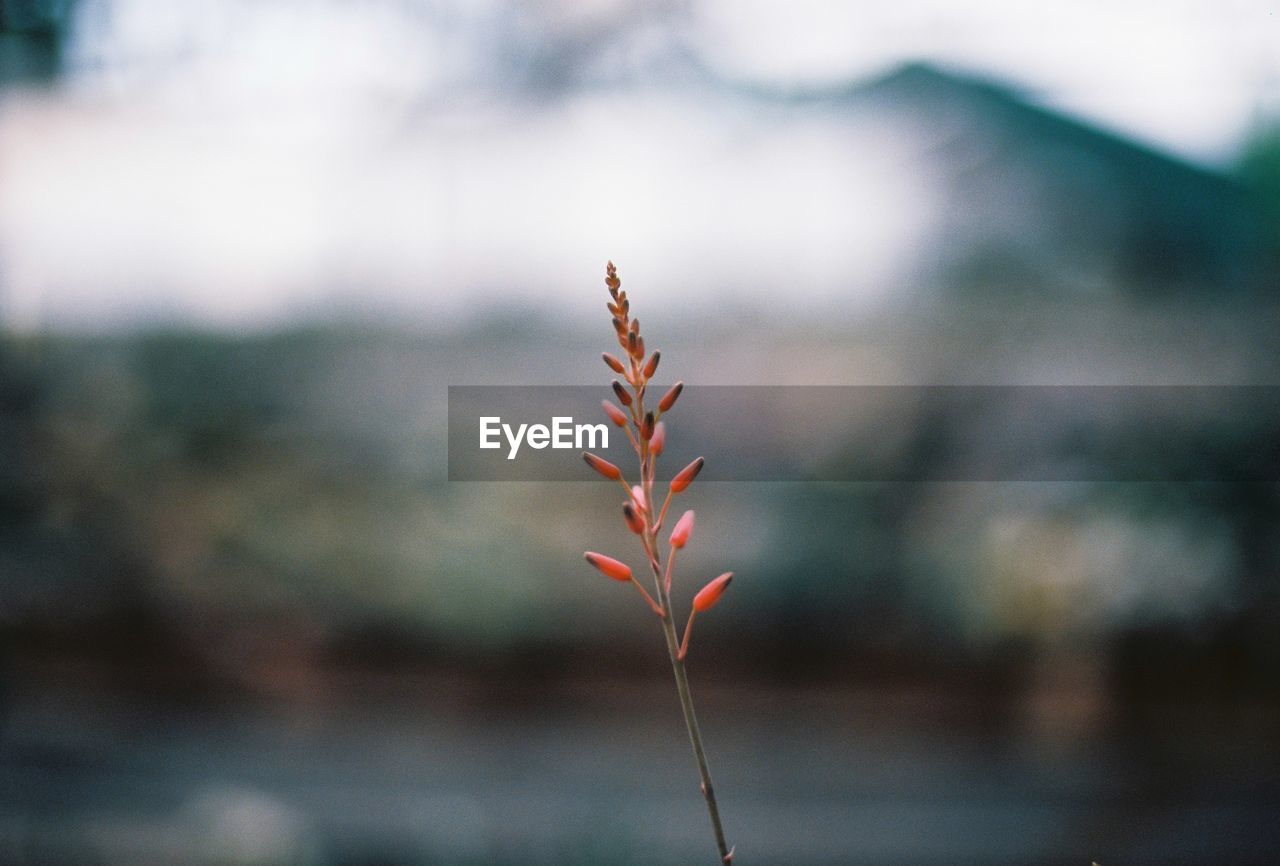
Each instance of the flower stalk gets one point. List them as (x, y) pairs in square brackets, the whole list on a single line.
[(648, 440)]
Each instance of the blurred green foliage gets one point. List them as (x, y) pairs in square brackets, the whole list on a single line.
[(32, 37), (293, 485), (1259, 168)]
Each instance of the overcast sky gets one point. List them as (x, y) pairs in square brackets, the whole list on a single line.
[(243, 162)]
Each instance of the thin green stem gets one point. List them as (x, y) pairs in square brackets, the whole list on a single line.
[(688, 630), (686, 702), (652, 604), (662, 585), (662, 515), (634, 444)]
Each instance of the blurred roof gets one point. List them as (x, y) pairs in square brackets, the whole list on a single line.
[(1032, 195)]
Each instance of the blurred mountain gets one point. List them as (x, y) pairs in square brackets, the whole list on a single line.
[(1034, 200)]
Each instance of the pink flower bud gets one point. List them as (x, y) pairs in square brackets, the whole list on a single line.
[(616, 415), (669, 399), (632, 517), (604, 467), (651, 366), (646, 426), (684, 528), (710, 594), (659, 440), (686, 475), (609, 567)]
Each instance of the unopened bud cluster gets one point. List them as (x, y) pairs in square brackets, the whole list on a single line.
[(647, 433)]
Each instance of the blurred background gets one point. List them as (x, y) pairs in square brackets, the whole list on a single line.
[(246, 245)]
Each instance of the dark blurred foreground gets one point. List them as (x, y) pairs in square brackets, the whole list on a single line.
[(445, 768)]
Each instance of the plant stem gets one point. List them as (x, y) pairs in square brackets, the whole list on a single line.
[(650, 541), (695, 736), (686, 705)]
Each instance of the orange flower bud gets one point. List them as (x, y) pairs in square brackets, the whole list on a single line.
[(624, 396), (659, 440), (669, 399), (684, 528), (652, 366), (631, 343), (646, 426), (609, 566), (616, 415), (638, 352), (709, 594), (635, 326), (686, 475), (632, 517), (618, 326), (604, 467), (614, 364)]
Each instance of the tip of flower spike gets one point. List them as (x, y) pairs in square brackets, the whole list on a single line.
[(608, 566), (710, 594), (686, 475), (604, 467), (683, 529)]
